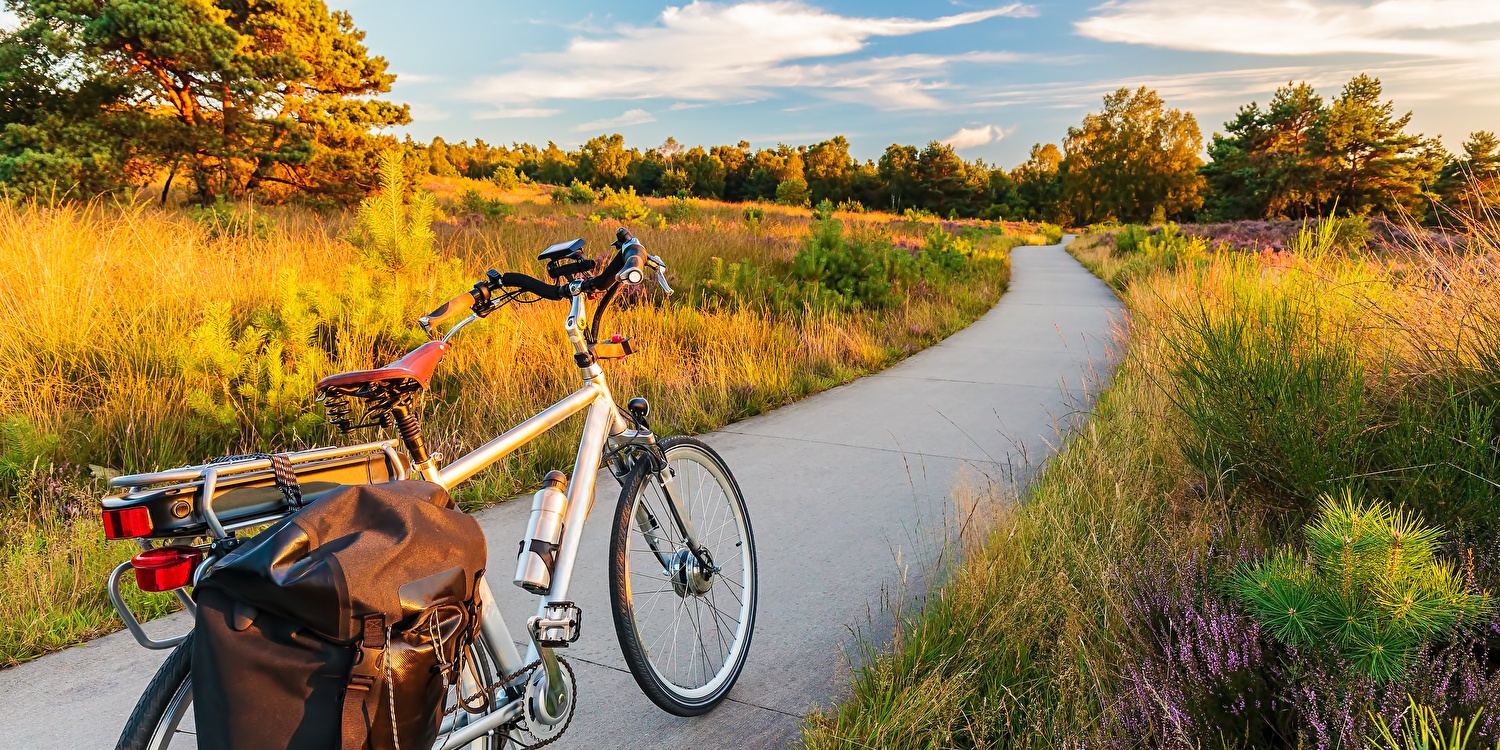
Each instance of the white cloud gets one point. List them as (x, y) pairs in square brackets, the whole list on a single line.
[(516, 113), (707, 51), (1452, 29), (967, 138), (630, 117), (422, 112)]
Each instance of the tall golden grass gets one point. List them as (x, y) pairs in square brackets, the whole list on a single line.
[(107, 356), (1025, 643)]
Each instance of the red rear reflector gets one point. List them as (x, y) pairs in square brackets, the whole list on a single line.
[(127, 523), (165, 568)]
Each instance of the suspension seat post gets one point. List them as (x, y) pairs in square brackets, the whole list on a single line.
[(410, 429)]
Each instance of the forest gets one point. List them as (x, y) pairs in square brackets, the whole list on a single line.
[(283, 102)]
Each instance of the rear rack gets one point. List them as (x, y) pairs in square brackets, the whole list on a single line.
[(203, 481), (201, 484)]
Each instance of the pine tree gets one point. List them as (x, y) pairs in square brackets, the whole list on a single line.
[(1369, 587), (1372, 163), (1470, 184), (234, 96), (1265, 164)]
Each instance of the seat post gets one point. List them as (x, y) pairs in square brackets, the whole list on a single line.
[(410, 429)]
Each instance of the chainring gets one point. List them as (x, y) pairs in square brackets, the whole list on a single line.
[(533, 733)]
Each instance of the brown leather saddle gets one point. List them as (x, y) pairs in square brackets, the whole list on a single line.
[(379, 389)]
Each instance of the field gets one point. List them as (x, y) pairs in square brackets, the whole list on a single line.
[(1293, 439), (137, 338)]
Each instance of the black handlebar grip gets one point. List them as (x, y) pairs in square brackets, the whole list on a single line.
[(634, 269)]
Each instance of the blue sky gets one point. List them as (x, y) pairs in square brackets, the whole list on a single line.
[(991, 78)]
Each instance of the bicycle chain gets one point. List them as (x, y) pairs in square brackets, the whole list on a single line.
[(506, 680)]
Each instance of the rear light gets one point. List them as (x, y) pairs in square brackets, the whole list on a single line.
[(127, 523), (165, 568)]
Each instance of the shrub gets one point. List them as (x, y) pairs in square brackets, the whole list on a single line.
[(474, 202), (1369, 589), (623, 205), (682, 210), (793, 192), (224, 219), (581, 192), (23, 447), (254, 381), (860, 271), (852, 206), (507, 178), (946, 252)]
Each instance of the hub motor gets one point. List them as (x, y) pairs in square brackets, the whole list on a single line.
[(689, 577)]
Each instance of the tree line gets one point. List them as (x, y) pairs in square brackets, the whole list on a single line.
[(283, 100), (1134, 160)]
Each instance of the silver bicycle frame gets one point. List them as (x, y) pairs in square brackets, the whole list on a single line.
[(603, 425)]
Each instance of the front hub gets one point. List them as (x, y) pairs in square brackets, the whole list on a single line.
[(689, 577)]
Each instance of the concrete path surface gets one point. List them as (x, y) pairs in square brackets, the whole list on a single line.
[(848, 491)]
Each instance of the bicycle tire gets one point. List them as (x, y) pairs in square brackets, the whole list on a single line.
[(670, 696), (174, 676), (140, 731)]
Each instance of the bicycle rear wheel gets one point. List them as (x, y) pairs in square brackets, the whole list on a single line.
[(684, 627), (163, 717)]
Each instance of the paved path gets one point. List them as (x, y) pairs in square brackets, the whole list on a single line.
[(848, 492)]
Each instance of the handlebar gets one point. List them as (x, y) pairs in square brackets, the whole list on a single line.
[(627, 267), (453, 308), (633, 268)]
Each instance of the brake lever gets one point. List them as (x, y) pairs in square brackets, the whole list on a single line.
[(661, 273)]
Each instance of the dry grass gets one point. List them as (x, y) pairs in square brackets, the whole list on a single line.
[(103, 345), (1024, 644)]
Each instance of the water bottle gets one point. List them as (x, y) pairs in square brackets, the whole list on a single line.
[(539, 546)]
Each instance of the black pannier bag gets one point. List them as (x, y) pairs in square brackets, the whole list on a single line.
[(309, 634)]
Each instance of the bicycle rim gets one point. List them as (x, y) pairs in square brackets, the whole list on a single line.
[(177, 729)]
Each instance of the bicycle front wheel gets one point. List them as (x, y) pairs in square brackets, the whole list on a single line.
[(684, 620)]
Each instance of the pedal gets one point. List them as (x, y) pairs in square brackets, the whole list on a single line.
[(561, 625)]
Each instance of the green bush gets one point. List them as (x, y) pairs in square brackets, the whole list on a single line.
[(860, 271), (474, 202), (507, 178), (1369, 587), (575, 192), (683, 210), (581, 192), (224, 219), (793, 192), (623, 205)]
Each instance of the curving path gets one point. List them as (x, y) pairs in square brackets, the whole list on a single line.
[(849, 492)]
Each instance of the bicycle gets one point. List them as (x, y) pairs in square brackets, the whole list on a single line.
[(680, 542)]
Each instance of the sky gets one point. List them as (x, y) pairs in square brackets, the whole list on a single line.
[(989, 78)]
